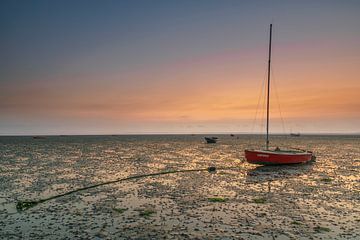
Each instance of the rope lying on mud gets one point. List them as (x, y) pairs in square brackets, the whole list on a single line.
[(24, 205)]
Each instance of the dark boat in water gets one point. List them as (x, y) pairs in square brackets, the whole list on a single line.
[(211, 140), (295, 134), (276, 156)]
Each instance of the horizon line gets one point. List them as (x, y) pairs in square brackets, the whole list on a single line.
[(174, 133)]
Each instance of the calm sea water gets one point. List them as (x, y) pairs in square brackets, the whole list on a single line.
[(320, 200)]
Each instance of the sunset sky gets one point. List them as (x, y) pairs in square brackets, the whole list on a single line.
[(118, 67)]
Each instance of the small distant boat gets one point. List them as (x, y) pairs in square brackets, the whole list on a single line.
[(211, 139), (276, 156), (38, 137), (232, 135), (295, 134)]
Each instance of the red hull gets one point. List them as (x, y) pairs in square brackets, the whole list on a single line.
[(267, 157)]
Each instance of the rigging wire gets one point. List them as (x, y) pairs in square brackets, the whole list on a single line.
[(261, 92), (274, 87), (263, 119)]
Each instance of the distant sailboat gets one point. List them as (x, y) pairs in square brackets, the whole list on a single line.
[(276, 156)]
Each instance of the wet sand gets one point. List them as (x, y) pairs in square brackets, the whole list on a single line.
[(311, 201)]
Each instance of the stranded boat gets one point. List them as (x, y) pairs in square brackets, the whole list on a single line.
[(276, 156), (211, 140), (269, 157)]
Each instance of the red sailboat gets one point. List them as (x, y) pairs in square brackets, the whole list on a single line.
[(276, 156)]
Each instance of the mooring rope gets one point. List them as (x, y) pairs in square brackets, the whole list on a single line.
[(24, 205)]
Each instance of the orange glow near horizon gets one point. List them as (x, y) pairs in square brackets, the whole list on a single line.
[(202, 97)]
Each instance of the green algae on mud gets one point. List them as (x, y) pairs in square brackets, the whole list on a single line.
[(326, 180), (260, 200), (296, 223), (320, 229), (120, 210), (24, 205), (146, 212), (217, 199)]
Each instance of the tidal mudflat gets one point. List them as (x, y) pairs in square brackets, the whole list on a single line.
[(320, 200)]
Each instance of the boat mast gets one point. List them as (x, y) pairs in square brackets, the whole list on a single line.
[(268, 93)]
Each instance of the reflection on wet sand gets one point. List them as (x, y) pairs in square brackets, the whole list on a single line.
[(274, 172)]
